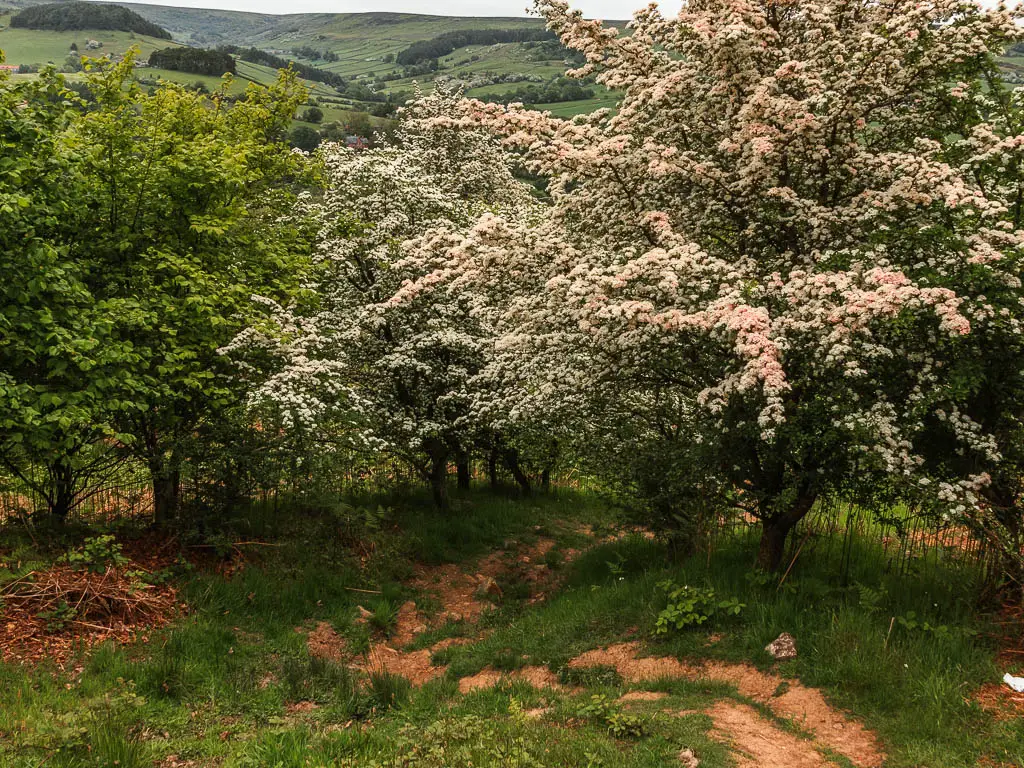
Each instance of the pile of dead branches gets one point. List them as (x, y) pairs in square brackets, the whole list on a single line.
[(84, 598), (46, 611)]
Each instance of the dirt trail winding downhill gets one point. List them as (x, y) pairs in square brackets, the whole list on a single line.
[(805, 706), (759, 741)]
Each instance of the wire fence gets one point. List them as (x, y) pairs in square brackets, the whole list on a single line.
[(904, 540)]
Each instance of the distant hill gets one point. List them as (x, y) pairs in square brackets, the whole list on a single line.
[(355, 64), (64, 17)]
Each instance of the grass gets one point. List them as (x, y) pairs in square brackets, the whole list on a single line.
[(220, 685), (34, 46)]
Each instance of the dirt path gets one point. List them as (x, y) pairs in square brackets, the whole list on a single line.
[(759, 743), (786, 698), (465, 596)]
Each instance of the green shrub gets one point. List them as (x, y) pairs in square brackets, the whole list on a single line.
[(601, 709), (97, 554), (623, 726), (692, 606)]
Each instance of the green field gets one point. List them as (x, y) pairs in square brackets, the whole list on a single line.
[(361, 42), (572, 108), (33, 46)]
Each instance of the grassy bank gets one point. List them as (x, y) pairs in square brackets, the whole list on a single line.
[(233, 681)]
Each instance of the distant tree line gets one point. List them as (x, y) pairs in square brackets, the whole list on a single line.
[(562, 89), (62, 17), (197, 61), (442, 45), (305, 71), (354, 91), (553, 50), (308, 52)]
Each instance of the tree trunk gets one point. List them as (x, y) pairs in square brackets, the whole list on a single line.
[(166, 490), (511, 456), (775, 530), (63, 489), (492, 469), (439, 475), (545, 479), (462, 469)]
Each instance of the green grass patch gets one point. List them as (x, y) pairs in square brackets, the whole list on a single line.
[(233, 683)]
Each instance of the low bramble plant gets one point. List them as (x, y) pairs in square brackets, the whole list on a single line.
[(692, 606), (599, 707), (59, 617), (623, 726), (912, 623), (97, 554)]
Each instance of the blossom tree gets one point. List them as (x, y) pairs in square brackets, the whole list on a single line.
[(986, 123), (771, 256), (390, 362)]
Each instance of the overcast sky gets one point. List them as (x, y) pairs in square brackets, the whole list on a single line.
[(604, 9)]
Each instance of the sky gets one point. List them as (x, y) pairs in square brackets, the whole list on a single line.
[(603, 9)]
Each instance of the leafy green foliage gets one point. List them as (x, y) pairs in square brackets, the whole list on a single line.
[(63, 364), (913, 623), (619, 724), (692, 606), (58, 618), (624, 726), (97, 554), (460, 742), (185, 227)]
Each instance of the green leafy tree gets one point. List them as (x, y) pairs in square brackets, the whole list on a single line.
[(62, 365), (305, 138), (185, 197)]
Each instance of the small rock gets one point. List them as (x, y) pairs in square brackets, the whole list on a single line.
[(688, 759), (488, 588), (782, 648)]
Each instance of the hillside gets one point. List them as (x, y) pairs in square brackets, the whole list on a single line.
[(351, 60), (37, 47), (62, 17)]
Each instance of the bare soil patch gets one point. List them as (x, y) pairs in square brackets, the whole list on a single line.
[(324, 642), (623, 656), (786, 698), (415, 666), (642, 696), (759, 743), (1001, 701), (301, 707), (538, 677), (462, 597)]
